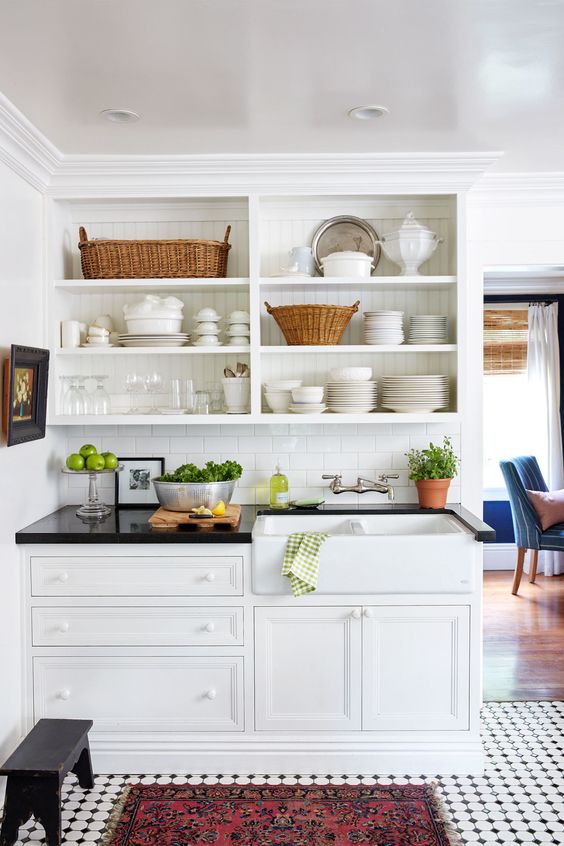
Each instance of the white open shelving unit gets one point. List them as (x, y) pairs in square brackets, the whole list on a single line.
[(264, 228)]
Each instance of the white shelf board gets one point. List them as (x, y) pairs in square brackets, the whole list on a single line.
[(145, 286), (101, 351), (363, 348), (256, 419), (372, 283)]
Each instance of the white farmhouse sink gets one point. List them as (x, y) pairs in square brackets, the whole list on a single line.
[(371, 553)]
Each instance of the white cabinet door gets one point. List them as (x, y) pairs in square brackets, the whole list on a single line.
[(415, 668), (141, 693), (307, 669)]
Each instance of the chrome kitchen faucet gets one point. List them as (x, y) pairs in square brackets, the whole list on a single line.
[(362, 485)]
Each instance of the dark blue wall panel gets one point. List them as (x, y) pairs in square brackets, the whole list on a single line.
[(497, 514)]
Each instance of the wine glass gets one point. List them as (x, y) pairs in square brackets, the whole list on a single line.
[(86, 398), (133, 385), (153, 384), (74, 401), (100, 400)]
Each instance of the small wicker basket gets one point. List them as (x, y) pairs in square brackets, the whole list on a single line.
[(153, 259), (312, 325)]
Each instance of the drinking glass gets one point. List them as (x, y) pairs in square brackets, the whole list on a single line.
[(182, 395), (201, 403), (86, 398), (175, 394), (189, 396), (65, 385), (133, 385), (153, 384), (216, 397), (74, 402), (100, 400)]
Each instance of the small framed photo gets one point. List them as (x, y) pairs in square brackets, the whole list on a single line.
[(26, 376), (133, 484)]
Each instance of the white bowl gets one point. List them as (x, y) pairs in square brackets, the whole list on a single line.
[(283, 384), (280, 405), (153, 325), (239, 341), (97, 341), (207, 313), (347, 263), (207, 341), (238, 329), (308, 394), (207, 328), (351, 374), (239, 317)]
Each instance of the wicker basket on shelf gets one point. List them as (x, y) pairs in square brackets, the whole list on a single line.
[(312, 325), (127, 259)]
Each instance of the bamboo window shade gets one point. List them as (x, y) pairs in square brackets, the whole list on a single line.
[(506, 335)]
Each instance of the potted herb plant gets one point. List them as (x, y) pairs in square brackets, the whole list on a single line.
[(433, 469)]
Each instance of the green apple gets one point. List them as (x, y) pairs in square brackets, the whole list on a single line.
[(110, 460), (75, 461), (87, 449), (95, 462)]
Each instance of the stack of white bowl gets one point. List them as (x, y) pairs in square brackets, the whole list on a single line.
[(383, 327), (238, 329), (428, 329), (206, 331), (278, 394), (351, 390), (308, 400), (415, 394)]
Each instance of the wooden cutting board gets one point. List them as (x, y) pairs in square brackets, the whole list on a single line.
[(163, 519)]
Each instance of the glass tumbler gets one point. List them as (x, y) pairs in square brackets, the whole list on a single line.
[(201, 402)]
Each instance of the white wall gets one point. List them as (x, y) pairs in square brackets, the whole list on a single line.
[(29, 485)]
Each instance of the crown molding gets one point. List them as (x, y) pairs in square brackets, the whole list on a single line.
[(231, 175), (24, 149), (523, 189)]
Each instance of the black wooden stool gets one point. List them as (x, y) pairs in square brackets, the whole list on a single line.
[(36, 772)]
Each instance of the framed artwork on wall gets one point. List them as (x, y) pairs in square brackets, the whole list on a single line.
[(26, 376), (133, 484)]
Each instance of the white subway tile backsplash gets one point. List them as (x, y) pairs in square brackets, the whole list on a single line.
[(305, 451)]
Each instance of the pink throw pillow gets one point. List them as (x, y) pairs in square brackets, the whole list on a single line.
[(549, 506)]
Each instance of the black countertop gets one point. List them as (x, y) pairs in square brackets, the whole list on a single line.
[(130, 525)]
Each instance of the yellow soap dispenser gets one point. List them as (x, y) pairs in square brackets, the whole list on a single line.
[(279, 490)]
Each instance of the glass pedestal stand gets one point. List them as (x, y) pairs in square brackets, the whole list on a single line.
[(94, 509)]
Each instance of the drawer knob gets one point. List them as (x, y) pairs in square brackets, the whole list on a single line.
[(63, 694), (210, 577), (211, 694), (64, 627), (210, 627), (63, 577), (368, 612), (356, 613)]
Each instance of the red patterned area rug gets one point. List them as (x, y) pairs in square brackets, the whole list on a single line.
[(278, 815)]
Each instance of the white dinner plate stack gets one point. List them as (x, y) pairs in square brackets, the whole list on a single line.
[(352, 397), (383, 327), (428, 329), (171, 339), (415, 394)]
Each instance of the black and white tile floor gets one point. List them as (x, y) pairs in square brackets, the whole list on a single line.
[(519, 799)]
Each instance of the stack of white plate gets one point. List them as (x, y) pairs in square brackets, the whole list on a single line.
[(383, 327), (352, 397), (428, 329), (415, 394), (173, 339)]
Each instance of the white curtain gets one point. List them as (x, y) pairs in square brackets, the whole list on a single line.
[(544, 381)]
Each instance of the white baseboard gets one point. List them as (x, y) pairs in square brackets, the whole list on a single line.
[(499, 556)]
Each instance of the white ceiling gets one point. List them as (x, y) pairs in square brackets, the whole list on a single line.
[(278, 76)]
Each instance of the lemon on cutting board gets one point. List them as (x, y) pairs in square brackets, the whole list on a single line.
[(219, 509)]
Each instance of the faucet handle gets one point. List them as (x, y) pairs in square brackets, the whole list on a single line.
[(336, 476), (386, 476)]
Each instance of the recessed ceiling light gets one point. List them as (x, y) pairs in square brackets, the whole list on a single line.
[(368, 112), (119, 115)]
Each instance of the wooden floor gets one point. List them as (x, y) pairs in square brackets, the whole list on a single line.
[(523, 638)]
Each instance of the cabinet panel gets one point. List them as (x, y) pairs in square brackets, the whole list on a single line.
[(307, 669), (416, 668), (137, 626), (120, 576), (141, 693)]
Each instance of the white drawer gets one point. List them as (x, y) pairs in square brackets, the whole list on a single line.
[(141, 694), (130, 576), (172, 626)]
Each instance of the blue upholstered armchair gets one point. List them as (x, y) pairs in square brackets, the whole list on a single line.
[(523, 474)]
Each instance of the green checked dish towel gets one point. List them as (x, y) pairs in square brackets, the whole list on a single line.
[(301, 560)]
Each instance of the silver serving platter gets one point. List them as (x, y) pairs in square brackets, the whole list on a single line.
[(345, 232)]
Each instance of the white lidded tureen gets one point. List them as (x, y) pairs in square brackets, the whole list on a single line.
[(410, 245), (154, 314), (347, 263)]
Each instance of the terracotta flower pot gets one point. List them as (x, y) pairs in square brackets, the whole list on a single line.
[(433, 492)]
